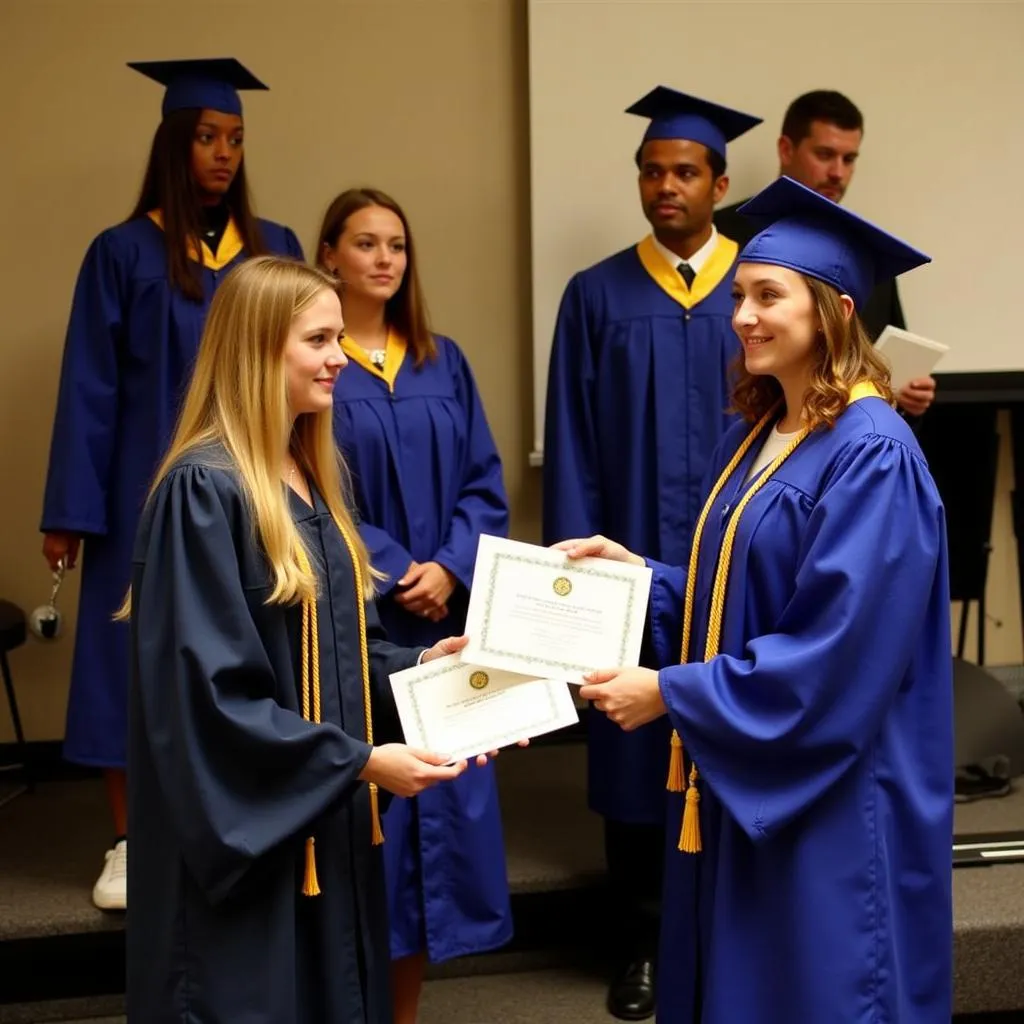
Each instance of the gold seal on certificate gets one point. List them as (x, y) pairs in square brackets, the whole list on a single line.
[(534, 611), (479, 679)]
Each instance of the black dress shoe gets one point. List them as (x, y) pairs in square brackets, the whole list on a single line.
[(631, 995)]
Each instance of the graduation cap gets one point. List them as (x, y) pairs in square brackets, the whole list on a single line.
[(675, 115), (210, 83), (806, 232)]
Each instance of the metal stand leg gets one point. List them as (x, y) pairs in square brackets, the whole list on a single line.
[(19, 736)]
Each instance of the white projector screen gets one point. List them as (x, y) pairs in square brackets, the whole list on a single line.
[(941, 87)]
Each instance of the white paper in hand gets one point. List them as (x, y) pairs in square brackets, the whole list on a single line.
[(909, 355)]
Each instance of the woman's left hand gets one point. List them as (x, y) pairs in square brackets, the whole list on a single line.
[(482, 759), (630, 697), (450, 645)]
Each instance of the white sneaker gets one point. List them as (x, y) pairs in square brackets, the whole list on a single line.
[(110, 891)]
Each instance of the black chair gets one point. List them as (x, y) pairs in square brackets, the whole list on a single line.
[(12, 634)]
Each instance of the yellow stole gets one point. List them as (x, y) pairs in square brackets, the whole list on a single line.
[(311, 689), (230, 244), (669, 280), (394, 355), (689, 838)]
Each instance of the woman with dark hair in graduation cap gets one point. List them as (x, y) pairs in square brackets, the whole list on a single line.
[(812, 698), (139, 305), (260, 708), (428, 482)]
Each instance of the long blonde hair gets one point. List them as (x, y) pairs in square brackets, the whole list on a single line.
[(238, 398), (844, 356)]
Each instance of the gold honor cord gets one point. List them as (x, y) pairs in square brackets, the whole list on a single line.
[(311, 690), (689, 838)]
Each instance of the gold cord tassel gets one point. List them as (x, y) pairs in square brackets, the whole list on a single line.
[(378, 832), (310, 884), (675, 765), (689, 838), (310, 705)]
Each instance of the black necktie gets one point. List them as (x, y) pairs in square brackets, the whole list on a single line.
[(687, 273)]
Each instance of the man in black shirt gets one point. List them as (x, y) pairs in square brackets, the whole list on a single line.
[(819, 146)]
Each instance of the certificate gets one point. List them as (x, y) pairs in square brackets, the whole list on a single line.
[(452, 707), (535, 611), (909, 355)]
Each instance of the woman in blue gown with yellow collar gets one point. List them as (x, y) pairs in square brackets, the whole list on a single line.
[(808, 877), (138, 311), (427, 481)]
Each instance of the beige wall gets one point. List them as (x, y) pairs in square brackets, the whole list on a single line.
[(425, 98)]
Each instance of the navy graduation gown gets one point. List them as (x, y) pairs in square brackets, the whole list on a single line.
[(226, 779), (637, 396), (823, 737), (128, 355), (427, 480)]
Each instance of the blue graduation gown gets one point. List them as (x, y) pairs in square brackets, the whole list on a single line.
[(637, 397), (226, 779), (427, 480), (823, 737), (128, 355)]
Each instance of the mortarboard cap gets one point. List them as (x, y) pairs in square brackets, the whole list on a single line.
[(674, 115), (210, 83), (806, 232)]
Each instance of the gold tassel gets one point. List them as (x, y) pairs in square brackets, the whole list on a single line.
[(675, 765), (378, 832), (310, 885), (689, 839)]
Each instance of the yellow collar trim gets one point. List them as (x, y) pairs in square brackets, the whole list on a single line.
[(230, 246), (667, 278), (394, 356), (864, 389)]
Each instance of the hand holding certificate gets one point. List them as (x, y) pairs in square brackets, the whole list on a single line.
[(535, 611), (537, 619)]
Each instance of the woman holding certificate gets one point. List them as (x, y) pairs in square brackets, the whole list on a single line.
[(812, 699), (428, 482), (260, 708)]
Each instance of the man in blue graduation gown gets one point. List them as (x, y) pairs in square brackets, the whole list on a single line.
[(819, 147), (646, 334), (138, 312)]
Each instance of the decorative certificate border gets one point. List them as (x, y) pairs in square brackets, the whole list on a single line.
[(563, 570)]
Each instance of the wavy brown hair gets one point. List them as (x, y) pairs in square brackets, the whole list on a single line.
[(844, 356), (170, 187), (406, 310)]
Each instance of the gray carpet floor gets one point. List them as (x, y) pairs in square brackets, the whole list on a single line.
[(560, 996)]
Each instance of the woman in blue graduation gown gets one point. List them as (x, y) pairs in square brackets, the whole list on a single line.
[(428, 482), (138, 311), (260, 697), (813, 811)]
